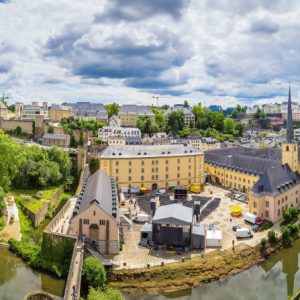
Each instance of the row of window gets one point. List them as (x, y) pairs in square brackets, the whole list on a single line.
[(155, 177), (153, 170), (154, 162), (87, 222)]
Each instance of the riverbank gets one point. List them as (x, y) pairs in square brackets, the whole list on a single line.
[(216, 265)]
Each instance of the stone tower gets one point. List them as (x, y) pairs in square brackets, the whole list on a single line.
[(290, 147)]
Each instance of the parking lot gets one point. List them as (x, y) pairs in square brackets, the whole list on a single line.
[(135, 256)]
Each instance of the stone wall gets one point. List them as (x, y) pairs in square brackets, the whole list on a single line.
[(8, 125)]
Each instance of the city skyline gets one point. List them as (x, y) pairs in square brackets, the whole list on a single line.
[(216, 52)]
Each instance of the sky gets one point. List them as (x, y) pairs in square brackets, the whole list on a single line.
[(127, 51)]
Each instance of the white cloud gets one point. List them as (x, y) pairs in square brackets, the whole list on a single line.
[(210, 51)]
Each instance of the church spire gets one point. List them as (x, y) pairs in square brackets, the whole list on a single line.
[(289, 125)]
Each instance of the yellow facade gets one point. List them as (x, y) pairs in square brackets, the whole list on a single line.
[(230, 178), (209, 146), (290, 155), (130, 119), (58, 114), (155, 171)]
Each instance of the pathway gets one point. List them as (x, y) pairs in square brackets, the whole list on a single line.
[(11, 230)]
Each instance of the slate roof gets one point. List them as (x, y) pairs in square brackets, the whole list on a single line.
[(276, 180), (149, 151), (88, 109), (246, 160), (60, 107), (185, 110), (173, 214), (100, 189), (136, 109)]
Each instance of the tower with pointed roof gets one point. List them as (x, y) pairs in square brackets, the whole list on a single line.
[(290, 147)]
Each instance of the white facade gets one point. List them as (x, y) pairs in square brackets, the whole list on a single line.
[(107, 131)]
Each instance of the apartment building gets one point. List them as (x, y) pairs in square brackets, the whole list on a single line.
[(129, 114), (189, 118), (153, 166), (59, 112)]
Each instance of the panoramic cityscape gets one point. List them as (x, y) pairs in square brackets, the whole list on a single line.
[(149, 150)]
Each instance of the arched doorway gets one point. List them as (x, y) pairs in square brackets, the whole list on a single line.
[(154, 186), (94, 234)]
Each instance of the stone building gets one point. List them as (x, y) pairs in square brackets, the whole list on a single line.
[(153, 166), (96, 214), (59, 140)]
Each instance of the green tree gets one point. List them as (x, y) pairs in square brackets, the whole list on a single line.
[(229, 126), (186, 104), (287, 216), (286, 236), (175, 121), (161, 121), (112, 109), (146, 125), (272, 237), (96, 294), (12, 108), (94, 273), (263, 243)]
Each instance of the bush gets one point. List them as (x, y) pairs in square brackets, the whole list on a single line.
[(272, 237), (267, 225), (94, 273), (294, 212), (287, 216), (286, 236), (263, 243), (294, 229), (96, 294)]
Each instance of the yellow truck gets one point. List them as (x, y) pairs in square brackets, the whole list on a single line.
[(195, 188)]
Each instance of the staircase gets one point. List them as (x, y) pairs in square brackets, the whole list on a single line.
[(97, 254)]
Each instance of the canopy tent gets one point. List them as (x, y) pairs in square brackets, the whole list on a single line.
[(173, 214)]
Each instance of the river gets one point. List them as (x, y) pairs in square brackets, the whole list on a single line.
[(277, 278), (17, 278)]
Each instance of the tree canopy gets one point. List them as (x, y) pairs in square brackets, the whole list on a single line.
[(175, 121), (112, 109), (94, 273)]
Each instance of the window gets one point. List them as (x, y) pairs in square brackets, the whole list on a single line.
[(117, 171), (142, 178), (102, 222), (167, 176), (117, 163), (129, 170), (129, 163), (178, 175), (178, 160), (178, 168), (142, 162), (152, 162), (167, 162), (152, 177), (190, 167), (157, 162), (156, 169), (267, 214), (117, 178), (267, 203), (190, 174), (278, 212), (278, 202), (190, 160), (142, 170), (286, 198), (94, 213), (167, 169), (129, 178), (86, 221), (156, 176), (254, 204)]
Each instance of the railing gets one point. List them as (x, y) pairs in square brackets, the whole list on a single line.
[(69, 290), (97, 254)]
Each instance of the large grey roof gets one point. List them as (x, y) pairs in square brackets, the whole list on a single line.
[(60, 107), (149, 151), (100, 189), (173, 214), (247, 160), (185, 110), (136, 109), (276, 180)]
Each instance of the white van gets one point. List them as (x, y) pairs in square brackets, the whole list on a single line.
[(251, 218), (242, 233), (141, 218)]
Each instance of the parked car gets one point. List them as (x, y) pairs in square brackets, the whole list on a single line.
[(235, 227), (255, 227)]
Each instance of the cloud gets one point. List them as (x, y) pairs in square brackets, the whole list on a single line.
[(132, 10), (264, 26)]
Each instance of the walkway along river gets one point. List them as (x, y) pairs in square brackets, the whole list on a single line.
[(277, 278), (17, 278)]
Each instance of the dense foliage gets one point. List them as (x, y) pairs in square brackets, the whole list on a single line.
[(109, 294), (112, 109), (26, 166), (94, 273), (79, 124)]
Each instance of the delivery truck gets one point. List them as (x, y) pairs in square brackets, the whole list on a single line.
[(249, 217), (243, 233)]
